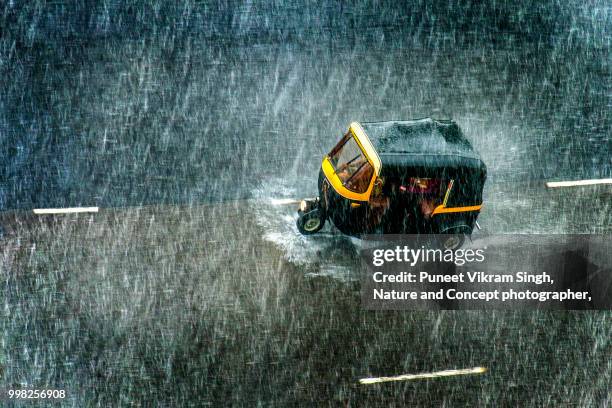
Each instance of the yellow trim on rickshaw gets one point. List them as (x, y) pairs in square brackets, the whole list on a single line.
[(366, 146), (441, 209), (371, 156), (448, 190)]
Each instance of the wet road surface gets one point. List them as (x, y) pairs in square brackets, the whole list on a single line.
[(185, 122)]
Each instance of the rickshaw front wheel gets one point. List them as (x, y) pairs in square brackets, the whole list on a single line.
[(310, 222)]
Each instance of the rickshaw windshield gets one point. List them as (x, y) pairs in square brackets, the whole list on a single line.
[(351, 165)]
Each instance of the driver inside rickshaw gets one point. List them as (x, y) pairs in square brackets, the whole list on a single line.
[(415, 193), (378, 204), (418, 194), (427, 193)]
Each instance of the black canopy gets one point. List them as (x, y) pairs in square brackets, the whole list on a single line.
[(422, 143), (430, 148)]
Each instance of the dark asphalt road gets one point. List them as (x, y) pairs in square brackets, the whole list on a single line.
[(183, 121)]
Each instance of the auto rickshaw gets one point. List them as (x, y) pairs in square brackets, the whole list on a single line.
[(398, 177)]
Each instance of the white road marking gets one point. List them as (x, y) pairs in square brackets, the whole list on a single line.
[(65, 210), (437, 374), (286, 201), (554, 184)]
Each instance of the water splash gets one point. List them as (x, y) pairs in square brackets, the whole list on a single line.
[(327, 253)]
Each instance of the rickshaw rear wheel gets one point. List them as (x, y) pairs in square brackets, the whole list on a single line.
[(454, 241), (454, 237), (310, 222)]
